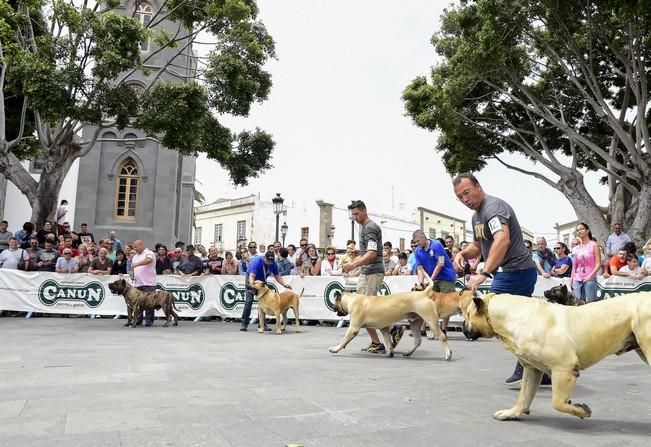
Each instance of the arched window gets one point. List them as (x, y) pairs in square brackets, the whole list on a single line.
[(144, 13), (126, 193)]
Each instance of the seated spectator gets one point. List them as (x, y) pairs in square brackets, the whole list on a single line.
[(330, 265), (389, 265), (617, 262), (214, 262), (631, 269), (163, 261), (25, 235), (111, 250), (120, 264), (350, 249), (191, 265), (312, 266), (84, 259), (43, 233), (11, 258), (402, 268), (646, 262), (563, 265), (230, 265), (47, 258), (66, 263), (92, 250), (67, 243), (284, 264), (33, 252), (101, 265), (355, 272), (543, 258)]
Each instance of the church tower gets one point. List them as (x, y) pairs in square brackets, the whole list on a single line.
[(128, 182)]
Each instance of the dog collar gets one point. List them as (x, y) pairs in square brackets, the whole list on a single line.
[(268, 289)]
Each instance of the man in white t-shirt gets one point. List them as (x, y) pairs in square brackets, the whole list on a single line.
[(143, 266), (62, 215), (10, 258)]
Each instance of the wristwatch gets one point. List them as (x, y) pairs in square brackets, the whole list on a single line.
[(487, 275)]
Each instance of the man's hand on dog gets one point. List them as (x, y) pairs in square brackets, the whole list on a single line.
[(475, 281)]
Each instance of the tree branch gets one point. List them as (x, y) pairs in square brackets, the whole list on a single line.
[(531, 173)]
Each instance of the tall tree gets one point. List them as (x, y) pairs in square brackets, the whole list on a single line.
[(68, 65), (545, 78)]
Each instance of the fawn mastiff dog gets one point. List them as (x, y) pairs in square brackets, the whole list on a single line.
[(447, 304), (561, 340), (272, 303), (381, 312), (137, 301)]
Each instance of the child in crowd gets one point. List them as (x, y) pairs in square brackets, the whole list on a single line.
[(632, 268)]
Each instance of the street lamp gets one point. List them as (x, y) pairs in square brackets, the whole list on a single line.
[(283, 231), (331, 236), (352, 224), (278, 209)]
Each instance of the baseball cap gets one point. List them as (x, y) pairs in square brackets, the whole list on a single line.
[(269, 256)]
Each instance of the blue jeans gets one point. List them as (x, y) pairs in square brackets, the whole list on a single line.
[(248, 304), (149, 314), (586, 290), (521, 282)]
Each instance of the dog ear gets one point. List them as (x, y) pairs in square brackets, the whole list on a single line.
[(563, 289), (337, 295), (479, 304)]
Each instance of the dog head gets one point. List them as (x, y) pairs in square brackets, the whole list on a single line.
[(560, 294), (340, 308), (260, 286), (477, 324), (118, 287)]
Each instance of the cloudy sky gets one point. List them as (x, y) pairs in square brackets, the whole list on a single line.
[(338, 121)]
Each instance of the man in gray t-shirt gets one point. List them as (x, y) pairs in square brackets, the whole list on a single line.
[(372, 275), (4, 235)]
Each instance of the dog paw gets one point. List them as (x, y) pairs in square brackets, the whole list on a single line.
[(430, 335), (584, 409), (260, 331), (448, 356), (390, 354), (507, 415), (333, 350)]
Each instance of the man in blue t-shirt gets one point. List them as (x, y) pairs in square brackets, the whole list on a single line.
[(433, 262), (259, 269)]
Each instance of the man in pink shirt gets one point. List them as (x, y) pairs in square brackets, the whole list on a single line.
[(143, 266)]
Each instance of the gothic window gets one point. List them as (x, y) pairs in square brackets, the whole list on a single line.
[(126, 194), (144, 13)]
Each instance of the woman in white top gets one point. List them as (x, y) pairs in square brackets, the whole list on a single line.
[(330, 265)]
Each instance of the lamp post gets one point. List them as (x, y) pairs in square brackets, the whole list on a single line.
[(352, 224), (283, 231), (331, 235), (278, 209)]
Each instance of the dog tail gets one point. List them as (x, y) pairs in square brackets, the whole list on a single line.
[(429, 290)]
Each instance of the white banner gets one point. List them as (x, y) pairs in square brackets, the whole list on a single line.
[(220, 295)]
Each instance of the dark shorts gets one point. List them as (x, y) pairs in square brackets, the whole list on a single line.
[(521, 282)]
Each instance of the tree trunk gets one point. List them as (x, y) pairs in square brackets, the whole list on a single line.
[(49, 185), (638, 229), (573, 188)]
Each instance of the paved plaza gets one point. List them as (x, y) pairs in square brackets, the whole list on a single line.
[(83, 382)]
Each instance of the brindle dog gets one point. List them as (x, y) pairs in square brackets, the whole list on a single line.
[(137, 301), (562, 295)]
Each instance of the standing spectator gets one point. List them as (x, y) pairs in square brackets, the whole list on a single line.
[(261, 267), (163, 262), (284, 265), (84, 236), (291, 257), (214, 263), (111, 250), (616, 240), (393, 258), (62, 215), (5, 236), (101, 265), (587, 262), (25, 235), (143, 266), (244, 261), (543, 258), (65, 229), (11, 257), (276, 250), (563, 265), (301, 254), (402, 268), (389, 265), (120, 264), (66, 263), (262, 248), (498, 239), (311, 266), (84, 258), (43, 233), (370, 244), (33, 251), (47, 258), (230, 265), (646, 262), (191, 265), (411, 257), (350, 250), (253, 249), (178, 257), (330, 266), (449, 243), (117, 245), (433, 263), (203, 255), (67, 243)]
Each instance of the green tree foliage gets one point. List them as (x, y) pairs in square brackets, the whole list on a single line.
[(544, 78), (65, 66)]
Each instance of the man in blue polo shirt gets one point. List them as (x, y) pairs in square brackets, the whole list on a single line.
[(432, 261), (260, 267)]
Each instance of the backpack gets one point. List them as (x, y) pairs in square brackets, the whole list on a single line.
[(22, 264)]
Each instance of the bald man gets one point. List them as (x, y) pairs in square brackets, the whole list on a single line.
[(143, 266)]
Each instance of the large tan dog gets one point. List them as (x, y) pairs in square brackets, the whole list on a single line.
[(137, 301), (447, 304), (381, 312), (561, 340), (272, 303)]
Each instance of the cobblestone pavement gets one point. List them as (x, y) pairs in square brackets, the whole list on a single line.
[(76, 381)]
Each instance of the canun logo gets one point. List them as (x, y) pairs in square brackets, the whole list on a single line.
[(230, 295), (613, 290), (50, 292), (328, 293), (193, 295)]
